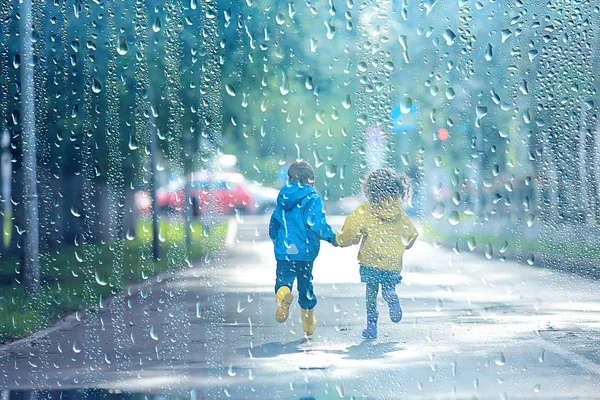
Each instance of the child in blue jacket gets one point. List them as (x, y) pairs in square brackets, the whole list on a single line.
[(297, 227)]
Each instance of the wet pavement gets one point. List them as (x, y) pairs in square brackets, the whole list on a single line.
[(472, 328)]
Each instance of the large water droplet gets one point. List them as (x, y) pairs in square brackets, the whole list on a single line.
[(532, 54), (230, 89), (76, 347), (489, 53), (500, 359), (280, 19), (406, 104), (122, 47), (231, 370), (153, 333), (438, 210), (99, 280), (449, 37), (471, 243), (96, 86), (347, 102), (489, 251), (454, 218), (156, 26)]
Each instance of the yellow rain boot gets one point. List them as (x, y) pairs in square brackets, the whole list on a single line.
[(309, 322), (284, 299)]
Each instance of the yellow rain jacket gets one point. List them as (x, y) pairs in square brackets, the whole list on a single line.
[(385, 231)]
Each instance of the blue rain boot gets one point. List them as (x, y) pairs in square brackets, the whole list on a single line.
[(371, 331), (390, 296), (395, 311)]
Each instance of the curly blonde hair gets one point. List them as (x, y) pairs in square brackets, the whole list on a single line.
[(385, 184)]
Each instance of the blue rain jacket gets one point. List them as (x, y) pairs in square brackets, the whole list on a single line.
[(298, 224)]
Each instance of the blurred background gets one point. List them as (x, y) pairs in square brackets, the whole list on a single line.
[(131, 129)]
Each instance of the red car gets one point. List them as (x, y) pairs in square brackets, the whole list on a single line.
[(228, 190)]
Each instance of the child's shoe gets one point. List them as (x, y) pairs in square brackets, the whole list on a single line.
[(395, 311), (309, 322), (284, 298), (371, 331)]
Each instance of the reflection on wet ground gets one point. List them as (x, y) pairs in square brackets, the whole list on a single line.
[(92, 394)]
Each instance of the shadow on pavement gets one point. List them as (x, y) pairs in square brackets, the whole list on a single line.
[(366, 350), (272, 349)]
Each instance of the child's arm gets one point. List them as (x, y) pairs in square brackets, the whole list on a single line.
[(274, 224), (352, 230), (317, 223), (412, 231)]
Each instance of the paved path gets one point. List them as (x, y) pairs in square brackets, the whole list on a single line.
[(472, 328)]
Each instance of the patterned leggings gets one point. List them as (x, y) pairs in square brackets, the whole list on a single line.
[(388, 291)]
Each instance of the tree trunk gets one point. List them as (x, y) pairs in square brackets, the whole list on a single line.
[(153, 186), (31, 278)]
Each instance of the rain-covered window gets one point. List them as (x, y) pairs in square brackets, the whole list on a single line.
[(299, 199)]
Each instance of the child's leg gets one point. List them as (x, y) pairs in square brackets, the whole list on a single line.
[(372, 314), (286, 273), (388, 290), (372, 291), (306, 296)]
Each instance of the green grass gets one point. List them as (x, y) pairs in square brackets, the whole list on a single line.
[(77, 277), (551, 249)]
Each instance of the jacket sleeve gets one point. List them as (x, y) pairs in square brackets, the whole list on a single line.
[(275, 223), (411, 231), (317, 223), (352, 230)]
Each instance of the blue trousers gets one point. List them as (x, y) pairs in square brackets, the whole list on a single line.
[(288, 271)]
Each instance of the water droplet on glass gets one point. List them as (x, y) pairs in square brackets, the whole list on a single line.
[(532, 54), (122, 47), (500, 360), (280, 19), (438, 210), (471, 243), (542, 355), (347, 102), (232, 370), (449, 37), (489, 251), (156, 26), (454, 218), (480, 112), (153, 334), (99, 280), (330, 29), (76, 347), (530, 259), (406, 104), (75, 211), (96, 86), (489, 53), (230, 90)]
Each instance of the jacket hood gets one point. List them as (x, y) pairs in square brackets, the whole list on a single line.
[(292, 193), (388, 210)]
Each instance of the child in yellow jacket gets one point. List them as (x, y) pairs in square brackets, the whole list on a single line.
[(384, 232)]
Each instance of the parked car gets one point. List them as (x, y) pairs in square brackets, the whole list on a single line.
[(229, 191)]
